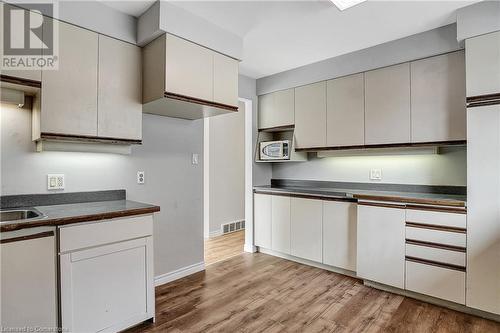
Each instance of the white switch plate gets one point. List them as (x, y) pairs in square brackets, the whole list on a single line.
[(375, 174), (140, 177), (194, 159), (55, 182)]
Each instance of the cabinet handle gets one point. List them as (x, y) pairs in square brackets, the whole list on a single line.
[(435, 263), (27, 237)]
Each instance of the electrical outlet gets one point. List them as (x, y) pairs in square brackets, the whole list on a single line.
[(55, 182), (375, 174), (194, 159), (140, 177)]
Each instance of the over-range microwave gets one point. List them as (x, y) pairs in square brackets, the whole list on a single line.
[(275, 150)]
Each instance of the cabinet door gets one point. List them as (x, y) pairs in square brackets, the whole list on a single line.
[(119, 103), (280, 218), (69, 94), (29, 282), (339, 234), (262, 220), (387, 105), (108, 287), (225, 80), (483, 61), (277, 109), (438, 98), (310, 115), (346, 111), (483, 210), (381, 245), (306, 229), (18, 40), (190, 69)]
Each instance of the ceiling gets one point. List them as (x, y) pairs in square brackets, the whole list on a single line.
[(281, 35)]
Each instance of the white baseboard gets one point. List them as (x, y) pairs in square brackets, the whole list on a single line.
[(250, 248), (215, 233), (179, 273)]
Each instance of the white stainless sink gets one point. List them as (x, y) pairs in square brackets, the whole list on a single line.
[(19, 215)]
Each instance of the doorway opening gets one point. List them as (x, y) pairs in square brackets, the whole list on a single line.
[(224, 174)]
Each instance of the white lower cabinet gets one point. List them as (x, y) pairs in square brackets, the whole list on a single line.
[(262, 220), (280, 217), (306, 240), (339, 234), (440, 282), (107, 284), (381, 244)]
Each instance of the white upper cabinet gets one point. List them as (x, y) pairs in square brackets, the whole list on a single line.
[(189, 69), (381, 245), (339, 234), (120, 91), (346, 111), (69, 94), (277, 109), (438, 98), (310, 115), (178, 69), (306, 229), (225, 80), (17, 38), (387, 105), (483, 61)]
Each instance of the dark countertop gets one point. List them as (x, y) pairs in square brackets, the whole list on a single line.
[(346, 194), (81, 212)]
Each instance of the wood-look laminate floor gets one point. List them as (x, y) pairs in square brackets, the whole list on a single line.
[(224, 247), (262, 293)]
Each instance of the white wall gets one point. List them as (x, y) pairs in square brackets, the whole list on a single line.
[(226, 163), (172, 182), (449, 168)]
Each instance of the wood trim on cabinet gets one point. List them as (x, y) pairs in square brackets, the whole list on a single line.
[(380, 204), (20, 81), (277, 128), (435, 227), (407, 200), (27, 237), (200, 101), (436, 263), (438, 209), (306, 196), (86, 138), (389, 145), (436, 245), (483, 100)]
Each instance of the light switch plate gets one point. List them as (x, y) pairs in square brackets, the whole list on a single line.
[(375, 174), (194, 159), (55, 181), (140, 177)]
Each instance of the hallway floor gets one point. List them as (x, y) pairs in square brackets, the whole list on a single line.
[(224, 247)]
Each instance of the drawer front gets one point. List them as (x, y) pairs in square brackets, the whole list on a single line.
[(81, 236), (437, 218), (436, 236), (435, 254), (444, 283)]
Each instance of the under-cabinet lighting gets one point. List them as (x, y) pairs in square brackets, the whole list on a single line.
[(344, 4)]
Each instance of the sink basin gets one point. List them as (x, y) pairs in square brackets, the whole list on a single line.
[(20, 215)]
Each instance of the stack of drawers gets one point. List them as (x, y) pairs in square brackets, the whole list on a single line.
[(436, 252)]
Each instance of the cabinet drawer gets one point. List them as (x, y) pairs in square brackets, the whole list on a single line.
[(436, 218), (440, 282), (104, 232), (436, 254), (436, 236)]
